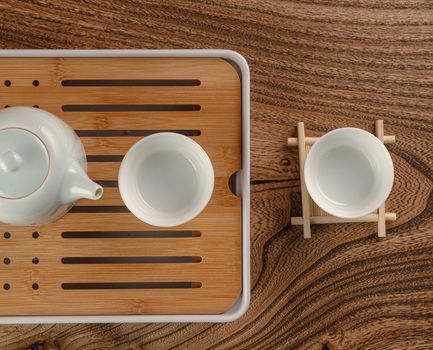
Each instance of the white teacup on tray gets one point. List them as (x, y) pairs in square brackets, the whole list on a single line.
[(166, 179)]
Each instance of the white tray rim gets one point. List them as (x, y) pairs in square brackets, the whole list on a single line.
[(242, 304)]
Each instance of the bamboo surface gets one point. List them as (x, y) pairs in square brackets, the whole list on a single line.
[(214, 272)]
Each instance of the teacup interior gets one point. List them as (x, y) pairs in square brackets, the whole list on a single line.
[(166, 179), (168, 182), (347, 176)]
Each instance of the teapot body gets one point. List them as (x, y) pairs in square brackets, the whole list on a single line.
[(43, 165)]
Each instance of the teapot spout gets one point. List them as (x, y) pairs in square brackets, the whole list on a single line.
[(77, 185)]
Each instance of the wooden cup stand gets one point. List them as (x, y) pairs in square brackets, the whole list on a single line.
[(311, 212)]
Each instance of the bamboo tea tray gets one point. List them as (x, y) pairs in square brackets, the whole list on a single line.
[(99, 263)]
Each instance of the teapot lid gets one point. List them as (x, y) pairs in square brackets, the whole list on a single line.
[(24, 163)]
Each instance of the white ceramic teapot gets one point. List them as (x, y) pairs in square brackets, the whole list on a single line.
[(43, 168)]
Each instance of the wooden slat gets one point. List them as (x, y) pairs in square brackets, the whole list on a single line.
[(293, 141), (304, 193), (56, 97), (381, 225), (145, 120), (51, 71), (121, 145), (51, 244), (100, 273), (219, 242), (329, 219), (106, 171), (211, 216), (130, 247)]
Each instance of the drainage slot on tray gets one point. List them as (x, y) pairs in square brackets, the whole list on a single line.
[(104, 159), (100, 209), (130, 234), (132, 285), (131, 108), (131, 82), (108, 183), (129, 133), (132, 260)]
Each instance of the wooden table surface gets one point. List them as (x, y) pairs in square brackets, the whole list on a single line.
[(329, 64)]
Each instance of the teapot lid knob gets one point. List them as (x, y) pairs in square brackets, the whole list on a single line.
[(24, 163), (10, 161)]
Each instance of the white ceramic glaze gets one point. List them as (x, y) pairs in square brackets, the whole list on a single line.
[(166, 179), (42, 167), (349, 173)]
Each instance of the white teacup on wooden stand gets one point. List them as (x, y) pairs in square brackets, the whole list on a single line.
[(349, 173)]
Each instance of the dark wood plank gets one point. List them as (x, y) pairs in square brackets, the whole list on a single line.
[(329, 65)]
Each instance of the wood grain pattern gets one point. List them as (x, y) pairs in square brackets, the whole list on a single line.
[(217, 274), (322, 62)]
